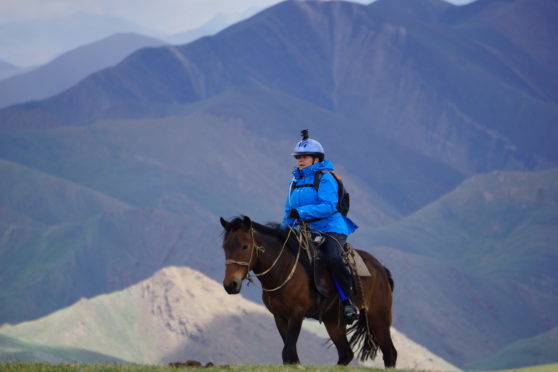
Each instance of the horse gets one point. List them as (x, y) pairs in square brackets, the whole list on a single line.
[(289, 294)]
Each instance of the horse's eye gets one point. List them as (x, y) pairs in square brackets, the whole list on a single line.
[(244, 247)]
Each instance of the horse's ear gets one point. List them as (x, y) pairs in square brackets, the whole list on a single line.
[(246, 223), (226, 225)]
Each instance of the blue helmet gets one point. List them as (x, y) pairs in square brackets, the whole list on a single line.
[(308, 146)]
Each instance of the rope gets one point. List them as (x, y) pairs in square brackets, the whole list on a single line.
[(302, 241), (278, 256)]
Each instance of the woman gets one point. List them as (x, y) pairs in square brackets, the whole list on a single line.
[(318, 208)]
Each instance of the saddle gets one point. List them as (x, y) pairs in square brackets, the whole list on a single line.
[(322, 280)]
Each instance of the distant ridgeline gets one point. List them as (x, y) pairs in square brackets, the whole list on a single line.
[(440, 118)]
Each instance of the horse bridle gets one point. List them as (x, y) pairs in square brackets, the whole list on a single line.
[(256, 247)]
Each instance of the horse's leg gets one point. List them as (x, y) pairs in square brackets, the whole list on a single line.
[(337, 332), (282, 325), (381, 330), (290, 355)]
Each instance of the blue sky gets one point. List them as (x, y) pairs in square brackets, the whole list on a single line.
[(168, 16)]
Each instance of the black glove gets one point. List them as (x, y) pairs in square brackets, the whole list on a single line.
[(294, 214)]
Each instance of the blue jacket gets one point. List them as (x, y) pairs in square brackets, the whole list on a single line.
[(322, 204)]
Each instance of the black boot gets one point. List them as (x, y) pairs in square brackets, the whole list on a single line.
[(350, 311)]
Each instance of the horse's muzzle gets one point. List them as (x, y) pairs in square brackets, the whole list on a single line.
[(233, 287)]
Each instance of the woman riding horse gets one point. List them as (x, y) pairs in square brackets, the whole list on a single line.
[(273, 255), (317, 207)]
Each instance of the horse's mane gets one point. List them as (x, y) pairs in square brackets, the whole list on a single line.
[(273, 229)]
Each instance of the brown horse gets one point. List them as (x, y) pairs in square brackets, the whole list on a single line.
[(289, 293)]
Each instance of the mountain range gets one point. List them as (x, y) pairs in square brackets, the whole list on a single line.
[(441, 120), (69, 68), (38, 41)]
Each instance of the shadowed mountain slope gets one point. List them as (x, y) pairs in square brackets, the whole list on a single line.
[(526, 24), (350, 59)]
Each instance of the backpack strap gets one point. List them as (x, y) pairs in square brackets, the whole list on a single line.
[(317, 178)]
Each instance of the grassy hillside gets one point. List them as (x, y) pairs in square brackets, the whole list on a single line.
[(12, 349), (49, 199), (47, 269), (484, 254), (536, 350), (500, 226)]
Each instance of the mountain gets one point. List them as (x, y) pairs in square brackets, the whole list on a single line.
[(185, 312), (214, 25), (537, 350), (35, 42), (521, 34), (7, 69), (491, 243), (70, 67), (493, 19), (217, 23), (176, 315)]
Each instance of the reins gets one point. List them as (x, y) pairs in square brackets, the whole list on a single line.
[(302, 240)]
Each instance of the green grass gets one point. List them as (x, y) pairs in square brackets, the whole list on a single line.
[(541, 368), (43, 367)]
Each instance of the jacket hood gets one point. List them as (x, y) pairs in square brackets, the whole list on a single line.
[(322, 165)]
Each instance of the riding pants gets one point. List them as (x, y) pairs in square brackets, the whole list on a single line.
[(332, 249)]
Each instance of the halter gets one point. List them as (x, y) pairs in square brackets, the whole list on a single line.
[(255, 247)]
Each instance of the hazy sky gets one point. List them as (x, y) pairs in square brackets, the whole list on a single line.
[(168, 16)]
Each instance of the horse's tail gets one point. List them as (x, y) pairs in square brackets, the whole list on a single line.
[(361, 339), (390, 279)]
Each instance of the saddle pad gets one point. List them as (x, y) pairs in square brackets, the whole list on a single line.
[(357, 263)]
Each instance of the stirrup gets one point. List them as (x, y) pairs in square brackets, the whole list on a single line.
[(351, 313)]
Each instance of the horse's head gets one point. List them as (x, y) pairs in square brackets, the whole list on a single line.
[(240, 252)]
